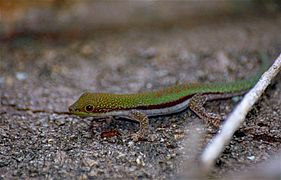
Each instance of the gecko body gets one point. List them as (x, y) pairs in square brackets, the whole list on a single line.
[(173, 99)]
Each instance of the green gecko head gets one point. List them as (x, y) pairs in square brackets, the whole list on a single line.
[(90, 104)]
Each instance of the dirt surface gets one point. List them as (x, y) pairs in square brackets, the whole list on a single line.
[(40, 78)]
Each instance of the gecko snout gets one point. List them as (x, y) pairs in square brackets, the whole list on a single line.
[(71, 109)]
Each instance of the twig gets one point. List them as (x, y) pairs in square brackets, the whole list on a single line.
[(214, 149)]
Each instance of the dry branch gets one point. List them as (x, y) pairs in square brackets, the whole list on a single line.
[(236, 118)]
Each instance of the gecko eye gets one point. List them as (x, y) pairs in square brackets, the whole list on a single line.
[(89, 108)]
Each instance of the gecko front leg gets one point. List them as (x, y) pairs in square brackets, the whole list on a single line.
[(144, 124), (196, 105)]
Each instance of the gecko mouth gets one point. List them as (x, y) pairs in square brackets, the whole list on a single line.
[(75, 111), (71, 109), (78, 112)]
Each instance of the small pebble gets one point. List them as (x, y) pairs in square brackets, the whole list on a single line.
[(236, 98), (2, 80), (21, 76), (251, 158)]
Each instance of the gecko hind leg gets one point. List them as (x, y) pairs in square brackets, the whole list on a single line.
[(144, 124), (196, 105)]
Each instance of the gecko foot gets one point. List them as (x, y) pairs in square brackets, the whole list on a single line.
[(196, 105), (144, 125), (138, 137)]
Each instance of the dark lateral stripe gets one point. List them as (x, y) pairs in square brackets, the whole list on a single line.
[(215, 95), (165, 105), (220, 95)]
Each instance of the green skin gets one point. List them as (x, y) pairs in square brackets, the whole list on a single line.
[(104, 102), (107, 104)]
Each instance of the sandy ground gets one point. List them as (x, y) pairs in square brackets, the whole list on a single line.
[(40, 78)]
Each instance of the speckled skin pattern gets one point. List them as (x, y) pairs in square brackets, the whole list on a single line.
[(106, 102)]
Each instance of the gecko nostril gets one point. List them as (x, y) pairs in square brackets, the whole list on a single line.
[(71, 109)]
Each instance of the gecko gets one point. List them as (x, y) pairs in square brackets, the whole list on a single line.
[(173, 99)]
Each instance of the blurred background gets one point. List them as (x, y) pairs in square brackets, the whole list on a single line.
[(59, 35), (71, 18)]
